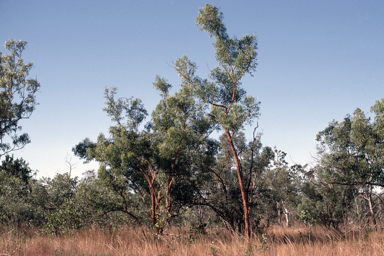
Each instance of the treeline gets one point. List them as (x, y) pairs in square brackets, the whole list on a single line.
[(171, 171), (280, 194)]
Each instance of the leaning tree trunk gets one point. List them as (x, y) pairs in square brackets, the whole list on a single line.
[(247, 229)]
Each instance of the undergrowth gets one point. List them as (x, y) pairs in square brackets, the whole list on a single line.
[(130, 242)]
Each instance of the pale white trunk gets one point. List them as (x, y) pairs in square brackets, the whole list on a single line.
[(371, 209), (286, 213)]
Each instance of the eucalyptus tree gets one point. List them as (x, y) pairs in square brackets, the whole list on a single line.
[(352, 153), (231, 108), (161, 162), (17, 96)]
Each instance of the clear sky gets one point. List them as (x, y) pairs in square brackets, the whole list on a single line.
[(318, 61)]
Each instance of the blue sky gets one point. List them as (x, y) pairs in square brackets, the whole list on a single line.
[(318, 61)]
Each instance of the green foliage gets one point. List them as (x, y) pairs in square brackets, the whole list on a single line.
[(14, 204), (170, 171), (235, 56), (84, 204), (61, 188), (282, 187), (230, 107), (329, 205), (355, 150), (17, 96), (160, 163), (352, 155), (221, 193), (68, 216), (133, 110), (17, 168), (307, 218), (17, 194)]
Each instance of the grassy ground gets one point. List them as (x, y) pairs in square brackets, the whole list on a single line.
[(279, 241)]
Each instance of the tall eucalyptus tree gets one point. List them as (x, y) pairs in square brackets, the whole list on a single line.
[(231, 108)]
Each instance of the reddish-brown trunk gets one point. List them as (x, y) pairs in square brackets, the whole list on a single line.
[(153, 202), (151, 184), (167, 201), (247, 229)]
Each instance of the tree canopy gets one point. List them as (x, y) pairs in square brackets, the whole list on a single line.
[(17, 96)]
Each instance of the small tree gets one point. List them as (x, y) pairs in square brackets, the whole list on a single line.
[(17, 96)]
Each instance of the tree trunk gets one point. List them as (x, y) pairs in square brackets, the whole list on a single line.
[(371, 209), (278, 212), (153, 204), (247, 229), (286, 213), (239, 226)]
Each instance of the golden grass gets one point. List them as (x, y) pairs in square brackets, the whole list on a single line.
[(129, 242)]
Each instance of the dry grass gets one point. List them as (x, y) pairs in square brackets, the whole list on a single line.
[(279, 241)]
